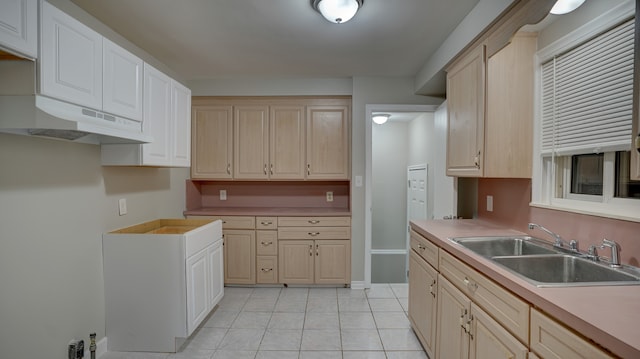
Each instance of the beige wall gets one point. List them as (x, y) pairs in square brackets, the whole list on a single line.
[(56, 201)]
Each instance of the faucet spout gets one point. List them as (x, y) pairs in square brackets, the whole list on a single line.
[(615, 252), (559, 242)]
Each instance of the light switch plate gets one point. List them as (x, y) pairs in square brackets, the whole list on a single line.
[(223, 194), (122, 206)]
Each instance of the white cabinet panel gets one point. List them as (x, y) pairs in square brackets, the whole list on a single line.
[(216, 268), (122, 82), (157, 116), (181, 125), (197, 289), (19, 26), (70, 59)]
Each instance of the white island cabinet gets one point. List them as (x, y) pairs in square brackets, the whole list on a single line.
[(162, 278)]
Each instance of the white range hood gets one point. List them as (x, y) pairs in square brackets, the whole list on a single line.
[(36, 115)]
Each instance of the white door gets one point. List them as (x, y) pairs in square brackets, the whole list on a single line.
[(216, 274), (181, 122), (417, 192), (157, 116), (19, 26), (122, 92)]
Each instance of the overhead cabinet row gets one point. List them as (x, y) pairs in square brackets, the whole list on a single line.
[(248, 140), (79, 66)]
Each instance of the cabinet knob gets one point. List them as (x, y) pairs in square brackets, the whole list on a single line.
[(228, 168)]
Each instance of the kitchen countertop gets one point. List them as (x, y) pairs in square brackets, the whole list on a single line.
[(268, 211), (609, 315)]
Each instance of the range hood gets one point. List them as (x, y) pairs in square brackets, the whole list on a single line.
[(37, 115)]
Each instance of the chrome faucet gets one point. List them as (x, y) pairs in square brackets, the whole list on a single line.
[(615, 252), (559, 242)]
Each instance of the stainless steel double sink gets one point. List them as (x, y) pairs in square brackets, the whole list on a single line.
[(544, 265)]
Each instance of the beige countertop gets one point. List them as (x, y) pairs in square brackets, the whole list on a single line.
[(609, 315), (268, 211)]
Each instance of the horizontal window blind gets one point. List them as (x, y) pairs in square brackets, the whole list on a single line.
[(587, 95)]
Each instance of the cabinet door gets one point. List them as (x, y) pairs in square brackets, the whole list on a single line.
[(239, 257), (70, 59), (157, 117), (216, 274), (197, 289), (287, 142), (489, 340), (423, 301), (267, 243), (267, 270), (453, 311), (295, 261), (180, 125), (332, 262), (465, 107), (509, 122), (212, 147), (328, 142), (251, 142), (19, 26), (122, 91)]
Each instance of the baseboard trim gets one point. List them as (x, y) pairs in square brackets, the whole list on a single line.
[(101, 348), (358, 285)]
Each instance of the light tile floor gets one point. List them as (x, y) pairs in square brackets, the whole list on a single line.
[(304, 323)]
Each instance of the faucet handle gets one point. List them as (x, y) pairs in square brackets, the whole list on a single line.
[(615, 251)]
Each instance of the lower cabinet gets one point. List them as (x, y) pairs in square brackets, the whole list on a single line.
[(239, 256), (422, 301), (204, 287), (314, 261)]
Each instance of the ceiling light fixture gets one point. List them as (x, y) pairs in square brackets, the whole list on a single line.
[(565, 6), (380, 118), (337, 11)]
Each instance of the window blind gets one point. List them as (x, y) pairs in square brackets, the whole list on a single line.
[(587, 95)]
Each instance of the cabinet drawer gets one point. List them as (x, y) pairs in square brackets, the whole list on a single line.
[(267, 269), (314, 233), (266, 222), (424, 249), (550, 339), (236, 222), (504, 307), (314, 221), (267, 243)]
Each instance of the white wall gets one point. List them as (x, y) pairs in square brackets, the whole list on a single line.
[(56, 201)]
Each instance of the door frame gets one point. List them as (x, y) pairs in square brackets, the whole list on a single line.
[(369, 110)]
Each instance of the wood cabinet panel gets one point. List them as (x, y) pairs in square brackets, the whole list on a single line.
[(239, 256), (267, 269), (287, 142), (453, 309), (328, 142), (492, 341), (267, 244), (424, 248), (314, 221), (423, 301), (332, 262), (550, 339), (251, 142), (266, 222), (295, 262), (212, 142), (465, 108), (314, 233)]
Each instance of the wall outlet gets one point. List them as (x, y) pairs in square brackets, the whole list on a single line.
[(489, 203), (329, 196), (122, 206), (223, 194), (358, 181)]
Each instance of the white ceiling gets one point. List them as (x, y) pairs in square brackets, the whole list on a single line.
[(206, 39)]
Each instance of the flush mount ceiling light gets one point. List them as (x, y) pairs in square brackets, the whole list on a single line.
[(337, 11), (565, 6), (380, 118)]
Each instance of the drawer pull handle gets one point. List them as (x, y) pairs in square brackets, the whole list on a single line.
[(228, 168), (313, 234), (308, 169), (311, 250), (267, 270), (317, 252), (470, 285), (266, 223), (313, 221), (271, 169), (433, 283), (266, 243), (420, 247), (265, 168)]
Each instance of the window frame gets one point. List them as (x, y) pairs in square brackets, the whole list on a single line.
[(550, 182)]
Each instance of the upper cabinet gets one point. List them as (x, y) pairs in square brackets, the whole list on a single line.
[(270, 139), (465, 107), (70, 59), (19, 27), (122, 77), (167, 118), (490, 107)]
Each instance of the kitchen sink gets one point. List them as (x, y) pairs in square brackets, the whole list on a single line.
[(506, 246), (544, 265), (566, 270)]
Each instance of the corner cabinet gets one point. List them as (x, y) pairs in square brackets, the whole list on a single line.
[(280, 138), (490, 109), (19, 27)]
